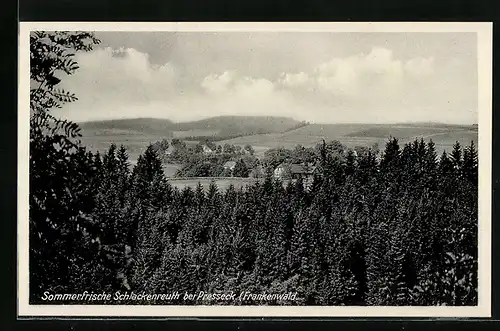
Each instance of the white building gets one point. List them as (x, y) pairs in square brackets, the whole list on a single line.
[(207, 150)]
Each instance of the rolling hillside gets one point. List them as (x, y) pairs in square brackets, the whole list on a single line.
[(351, 135), (221, 125), (240, 125), (145, 126), (137, 133), (266, 132)]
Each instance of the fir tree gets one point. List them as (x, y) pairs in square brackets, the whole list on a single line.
[(240, 169), (445, 164), (470, 163), (350, 163), (391, 153), (456, 156)]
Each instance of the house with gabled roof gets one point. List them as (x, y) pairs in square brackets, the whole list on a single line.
[(169, 150), (230, 165), (294, 171), (207, 150)]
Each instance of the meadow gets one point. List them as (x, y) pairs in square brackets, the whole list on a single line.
[(350, 135), (194, 133), (136, 133), (136, 142), (99, 140)]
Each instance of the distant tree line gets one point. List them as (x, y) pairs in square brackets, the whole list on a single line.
[(216, 138), (222, 137), (298, 126), (397, 227)]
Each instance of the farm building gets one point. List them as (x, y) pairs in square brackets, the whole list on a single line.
[(228, 168), (293, 171), (169, 150), (230, 165), (281, 171), (207, 150)]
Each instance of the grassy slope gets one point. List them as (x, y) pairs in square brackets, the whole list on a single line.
[(233, 125), (136, 134), (222, 125), (362, 135)]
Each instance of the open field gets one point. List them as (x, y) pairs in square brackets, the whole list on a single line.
[(221, 126), (194, 133), (170, 169), (136, 133), (135, 142), (403, 132), (351, 135)]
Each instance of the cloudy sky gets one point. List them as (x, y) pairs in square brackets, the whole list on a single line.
[(318, 77)]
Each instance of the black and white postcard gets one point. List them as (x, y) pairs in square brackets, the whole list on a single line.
[(255, 169)]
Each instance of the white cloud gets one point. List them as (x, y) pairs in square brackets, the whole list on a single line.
[(218, 83), (230, 94), (358, 87), (338, 76), (294, 80), (230, 82), (380, 61), (254, 87), (351, 75), (124, 74)]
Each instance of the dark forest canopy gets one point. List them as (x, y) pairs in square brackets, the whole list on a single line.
[(396, 227), (402, 231)]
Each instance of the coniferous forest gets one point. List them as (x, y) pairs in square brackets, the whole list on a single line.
[(395, 227)]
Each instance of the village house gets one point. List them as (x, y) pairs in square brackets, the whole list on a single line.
[(169, 150), (207, 150), (229, 166), (280, 171), (294, 171)]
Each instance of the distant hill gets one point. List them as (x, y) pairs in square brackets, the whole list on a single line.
[(137, 133), (243, 125), (145, 126), (437, 125), (214, 126)]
